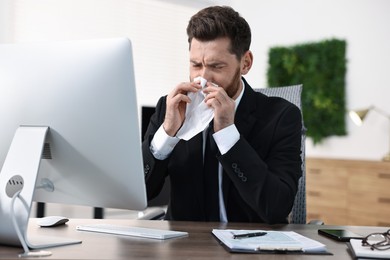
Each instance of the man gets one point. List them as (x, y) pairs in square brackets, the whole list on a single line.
[(255, 140)]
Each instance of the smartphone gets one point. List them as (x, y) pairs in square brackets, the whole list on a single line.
[(339, 234)]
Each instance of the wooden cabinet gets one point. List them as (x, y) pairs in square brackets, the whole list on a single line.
[(348, 192)]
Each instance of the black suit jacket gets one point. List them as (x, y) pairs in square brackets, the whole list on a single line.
[(261, 171)]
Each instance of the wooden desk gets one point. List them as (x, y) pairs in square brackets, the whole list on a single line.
[(200, 244)]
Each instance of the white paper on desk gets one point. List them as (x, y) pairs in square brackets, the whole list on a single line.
[(366, 252), (273, 239), (198, 114)]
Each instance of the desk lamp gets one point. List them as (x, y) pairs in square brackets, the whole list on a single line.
[(358, 117)]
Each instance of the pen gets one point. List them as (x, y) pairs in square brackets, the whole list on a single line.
[(247, 235)]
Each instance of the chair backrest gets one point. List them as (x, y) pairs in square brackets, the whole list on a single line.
[(293, 95)]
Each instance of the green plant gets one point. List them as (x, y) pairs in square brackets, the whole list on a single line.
[(321, 68)]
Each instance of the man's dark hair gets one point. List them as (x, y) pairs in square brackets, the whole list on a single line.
[(217, 22)]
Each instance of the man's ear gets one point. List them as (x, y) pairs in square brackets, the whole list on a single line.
[(246, 62)]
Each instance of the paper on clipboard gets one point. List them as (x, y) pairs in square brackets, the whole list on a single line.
[(285, 241)]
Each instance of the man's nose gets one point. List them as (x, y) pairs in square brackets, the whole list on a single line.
[(206, 74)]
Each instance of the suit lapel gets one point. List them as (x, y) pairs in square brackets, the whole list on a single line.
[(244, 121), (244, 118)]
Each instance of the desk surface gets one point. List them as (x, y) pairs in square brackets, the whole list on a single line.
[(199, 244)]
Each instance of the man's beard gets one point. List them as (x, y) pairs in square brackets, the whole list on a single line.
[(234, 85)]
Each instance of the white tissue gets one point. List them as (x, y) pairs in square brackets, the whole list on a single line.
[(203, 81), (198, 114)]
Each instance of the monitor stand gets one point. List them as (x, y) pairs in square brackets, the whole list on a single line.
[(17, 184)]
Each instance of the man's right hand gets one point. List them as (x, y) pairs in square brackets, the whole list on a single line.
[(176, 106)]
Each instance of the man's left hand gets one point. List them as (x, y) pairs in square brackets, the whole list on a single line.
[(223, 105)]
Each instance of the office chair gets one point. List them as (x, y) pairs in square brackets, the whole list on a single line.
[(293, 95)]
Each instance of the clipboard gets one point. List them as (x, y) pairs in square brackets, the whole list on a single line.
[(268, 249)]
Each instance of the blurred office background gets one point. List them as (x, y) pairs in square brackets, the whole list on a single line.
[(157, 30)]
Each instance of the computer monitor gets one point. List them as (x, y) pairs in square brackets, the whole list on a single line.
[(75, 104)]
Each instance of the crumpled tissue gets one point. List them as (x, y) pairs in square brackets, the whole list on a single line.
[(198, 114)]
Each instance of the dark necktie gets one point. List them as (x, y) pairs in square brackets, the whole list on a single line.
[(210, 171)]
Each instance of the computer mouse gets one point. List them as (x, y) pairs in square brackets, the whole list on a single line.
[(52, 221)]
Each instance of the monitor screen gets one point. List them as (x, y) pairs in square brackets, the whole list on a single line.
[(84, 92)]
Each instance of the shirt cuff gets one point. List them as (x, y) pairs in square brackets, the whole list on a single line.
[(162, 144), (226, 138)]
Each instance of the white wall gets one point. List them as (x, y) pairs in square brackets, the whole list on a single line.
[(5, 17), (157, 29)]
